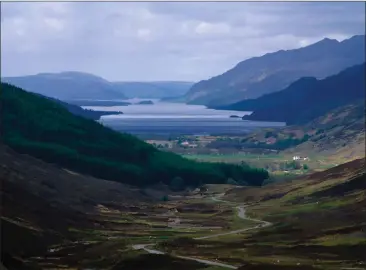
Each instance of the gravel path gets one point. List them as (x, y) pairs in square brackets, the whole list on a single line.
[(241, 214)]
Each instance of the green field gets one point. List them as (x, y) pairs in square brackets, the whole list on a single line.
[(272, 162), (234, 157)]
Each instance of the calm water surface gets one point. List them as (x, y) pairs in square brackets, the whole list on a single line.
[(165, 118)]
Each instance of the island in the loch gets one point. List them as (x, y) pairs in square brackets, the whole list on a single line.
[(145, 102), (234, 116)]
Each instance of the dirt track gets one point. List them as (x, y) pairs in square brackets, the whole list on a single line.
[(241, 214)]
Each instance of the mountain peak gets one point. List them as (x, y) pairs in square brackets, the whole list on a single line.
[(70, 73), (278, 70), (329, 39), (325, 41)]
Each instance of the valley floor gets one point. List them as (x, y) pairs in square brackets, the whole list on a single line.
[(315, 222)]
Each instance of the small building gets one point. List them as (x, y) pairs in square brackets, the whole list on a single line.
[(185, 143), (271, 140), (299, 158)]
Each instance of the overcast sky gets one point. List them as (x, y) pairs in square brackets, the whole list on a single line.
[(162, 41)]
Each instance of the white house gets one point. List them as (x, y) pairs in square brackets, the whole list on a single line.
[(299, 158)]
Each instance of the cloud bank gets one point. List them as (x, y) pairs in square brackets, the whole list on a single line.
[(126, 41)]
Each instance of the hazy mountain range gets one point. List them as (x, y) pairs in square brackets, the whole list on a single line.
[(67, 85), (164, 89), (272, 72), (78, 85), (249, 79)]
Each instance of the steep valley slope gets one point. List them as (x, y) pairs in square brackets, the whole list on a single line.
[(307, 98), (338, 134), (41, 202)]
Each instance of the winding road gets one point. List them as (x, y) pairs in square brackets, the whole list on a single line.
[(241, 214)]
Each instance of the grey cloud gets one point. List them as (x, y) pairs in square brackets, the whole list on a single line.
[(162, 40)]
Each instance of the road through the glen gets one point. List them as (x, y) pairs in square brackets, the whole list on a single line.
[(240, 213)]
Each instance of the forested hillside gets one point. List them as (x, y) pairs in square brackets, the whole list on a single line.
[(78, 110), (44, 129)]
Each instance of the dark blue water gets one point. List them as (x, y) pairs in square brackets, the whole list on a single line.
[(164, 118), (187, 126)]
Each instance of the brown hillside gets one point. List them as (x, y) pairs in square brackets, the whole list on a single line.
[(320, 217), (40, 202)]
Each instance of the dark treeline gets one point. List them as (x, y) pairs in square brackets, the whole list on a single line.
[(45, 129)]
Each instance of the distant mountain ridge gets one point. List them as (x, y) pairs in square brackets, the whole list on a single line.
[(158, 89), (67, 85), (307, 98), (272, 72), (73, 85)]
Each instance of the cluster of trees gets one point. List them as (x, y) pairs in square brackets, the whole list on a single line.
[(220, 144), (45, 129), (281, 144), (294, 165), (270, 134), (165, 145), (289, 142)]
